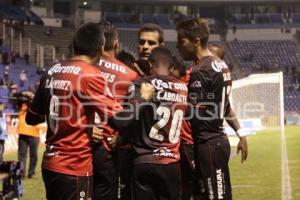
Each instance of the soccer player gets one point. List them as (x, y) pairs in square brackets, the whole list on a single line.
[(156, 140), (187, 162), (150, 36), (119, 78), (70, 94), (209, 88)]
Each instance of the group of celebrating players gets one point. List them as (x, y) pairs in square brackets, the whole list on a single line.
[(151, 129)]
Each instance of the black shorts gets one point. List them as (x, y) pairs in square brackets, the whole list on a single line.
[(125, 171), (66, 187), (106, 178), (156, 181), (187, 170), (212, 169)]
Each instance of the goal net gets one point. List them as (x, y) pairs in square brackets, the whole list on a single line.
[(258, 99)]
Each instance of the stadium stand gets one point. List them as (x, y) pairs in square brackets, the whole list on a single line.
[(271, 56), (11, 12)]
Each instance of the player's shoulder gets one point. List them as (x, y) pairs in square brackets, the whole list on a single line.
[(210, 64), (117, 67)]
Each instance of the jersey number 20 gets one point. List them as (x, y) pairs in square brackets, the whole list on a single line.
[(175, 126)]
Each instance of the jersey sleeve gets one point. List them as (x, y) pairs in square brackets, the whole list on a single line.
[(37, 106), (98, 95)]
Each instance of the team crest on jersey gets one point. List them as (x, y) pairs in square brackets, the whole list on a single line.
[(218, 66), (196, 84), (131, 88)]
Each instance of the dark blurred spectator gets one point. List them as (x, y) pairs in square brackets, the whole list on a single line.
[(6, 75), (178, 16), (28, 20), (258, 67), (13, 57), (36, 85), (1, 41), (293, 70), (57, 49), (40, 70), (234, 28), (12, 90), (3, 130), (49, 31), (282, 29), (287, 70), (249, 56), (70, 47), (26, 57), (23, 78), (135, 19), (5, 58), (28, 141)]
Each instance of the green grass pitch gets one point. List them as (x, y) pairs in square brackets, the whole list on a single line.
[(258, 178)]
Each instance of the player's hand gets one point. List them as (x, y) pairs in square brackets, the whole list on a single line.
[(97, 134), (243, 147), (147, 91), (112, 141)]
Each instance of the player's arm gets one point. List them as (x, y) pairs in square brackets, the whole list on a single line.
[(36, 111), (232, 121), (104, 104), (140, 96), (33, 118)]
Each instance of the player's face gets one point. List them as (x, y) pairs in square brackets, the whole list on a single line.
[(147, 42), (185, 47)]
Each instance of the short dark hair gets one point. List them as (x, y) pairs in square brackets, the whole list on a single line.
[(110, 34), (126, 58), (149, 27), (193, 29), (179, 65), (88, 39), (161, 55)]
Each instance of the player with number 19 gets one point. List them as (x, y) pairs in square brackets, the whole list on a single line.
[(209, 89)]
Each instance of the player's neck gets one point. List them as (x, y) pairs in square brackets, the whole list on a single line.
[(109, 54), (163, 72), (87, 59), (201, 53)]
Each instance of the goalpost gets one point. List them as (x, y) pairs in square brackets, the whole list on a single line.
[(259, 99)]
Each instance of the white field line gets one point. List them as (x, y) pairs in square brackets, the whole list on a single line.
[(286, 191)]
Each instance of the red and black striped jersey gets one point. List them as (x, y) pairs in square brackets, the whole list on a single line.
[(119, 77), (69, 95)]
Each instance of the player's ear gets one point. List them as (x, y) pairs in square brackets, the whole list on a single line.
[(171, 69), (101, 50), (197, 42), (116, 44)]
